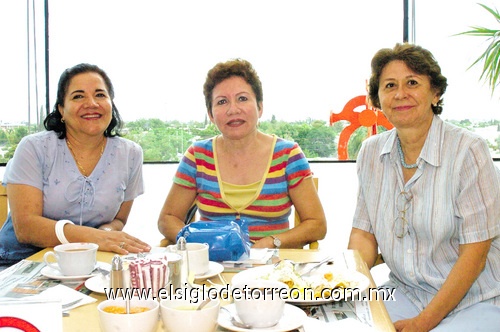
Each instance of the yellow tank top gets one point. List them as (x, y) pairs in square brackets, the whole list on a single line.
[(239, 196)]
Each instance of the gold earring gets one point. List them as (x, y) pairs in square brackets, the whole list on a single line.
[(62, 120)]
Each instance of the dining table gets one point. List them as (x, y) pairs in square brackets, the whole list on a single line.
[(86, 318)]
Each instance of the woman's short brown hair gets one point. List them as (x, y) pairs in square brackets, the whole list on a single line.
[(418, 59), (225, 70)]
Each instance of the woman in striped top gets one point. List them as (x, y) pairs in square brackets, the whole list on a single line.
[(243, 173), (428, 198)]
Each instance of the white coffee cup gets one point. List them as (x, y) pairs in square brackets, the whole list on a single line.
[(73, 259), (197, 256), (260, 303)]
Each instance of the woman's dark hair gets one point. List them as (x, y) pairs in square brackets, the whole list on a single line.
[(418, 59), (53, 120), (224, 70)]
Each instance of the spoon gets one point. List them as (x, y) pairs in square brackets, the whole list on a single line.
[(214, 284), (127, 306), (236, 322), (204, 303)]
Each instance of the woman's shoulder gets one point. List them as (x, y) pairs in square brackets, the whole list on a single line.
[(379, 139), (46, 135), (124, 143), (377, 145), (462, 139), (202, 146), (454, 130), (204, 142), (44, 140), (282, 143)]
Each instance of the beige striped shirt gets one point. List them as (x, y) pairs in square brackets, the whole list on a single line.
[(452, 199)]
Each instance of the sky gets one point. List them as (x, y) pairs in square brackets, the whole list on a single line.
[(312, 56)]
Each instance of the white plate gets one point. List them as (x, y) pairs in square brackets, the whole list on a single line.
[(214, 269), (361, 282), (97, 283), (52, 273), (293, 318)]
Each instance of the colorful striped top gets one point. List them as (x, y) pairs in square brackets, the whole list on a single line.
[(268, 213)]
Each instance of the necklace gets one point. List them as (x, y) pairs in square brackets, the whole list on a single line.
[(402, 157), (80, 167)]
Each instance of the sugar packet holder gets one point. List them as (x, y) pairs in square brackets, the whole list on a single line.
[(149, 274)]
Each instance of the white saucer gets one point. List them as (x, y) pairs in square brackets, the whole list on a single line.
[(293, 318), (52, 273), (97, 283), (214, 269)]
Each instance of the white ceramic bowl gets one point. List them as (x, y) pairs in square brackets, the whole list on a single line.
[(146, 321), (179, 315)]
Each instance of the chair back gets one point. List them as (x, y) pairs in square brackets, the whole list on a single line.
[(315, 244), (4, 206)]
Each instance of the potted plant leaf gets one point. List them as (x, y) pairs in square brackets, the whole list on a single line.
[(491, 56)]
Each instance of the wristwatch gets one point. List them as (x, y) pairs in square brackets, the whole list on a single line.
[(276, 241)]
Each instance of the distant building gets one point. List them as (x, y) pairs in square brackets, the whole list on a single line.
[(12, 125)]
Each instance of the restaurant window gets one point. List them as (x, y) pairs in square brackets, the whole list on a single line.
[(312, 58)]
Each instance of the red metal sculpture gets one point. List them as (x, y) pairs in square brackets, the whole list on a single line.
[(370, 117)]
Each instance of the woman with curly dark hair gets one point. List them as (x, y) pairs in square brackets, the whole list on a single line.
[(75, 182)]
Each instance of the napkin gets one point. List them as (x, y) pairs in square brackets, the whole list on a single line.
[(65, 294), (257, 256)]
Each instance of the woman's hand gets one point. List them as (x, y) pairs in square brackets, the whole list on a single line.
[(415, 324), (265, 242), (120, 243)]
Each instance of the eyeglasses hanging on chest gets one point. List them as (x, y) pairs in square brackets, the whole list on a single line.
[(403, 203)]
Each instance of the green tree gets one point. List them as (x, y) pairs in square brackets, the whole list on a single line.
[(16, 134), (205, 132), (317, 140), (3, 138)]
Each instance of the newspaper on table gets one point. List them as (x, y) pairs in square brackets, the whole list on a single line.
[(335, 311), (339, 310), (24, 279)]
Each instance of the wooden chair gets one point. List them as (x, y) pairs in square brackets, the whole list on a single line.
[(4, 206), (315, 244), (379, 260)]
